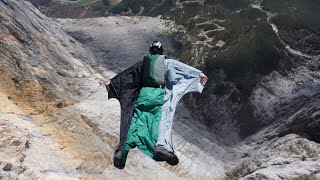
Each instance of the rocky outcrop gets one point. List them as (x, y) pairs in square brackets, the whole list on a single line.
[(117, 42), (33, 50), (42, 69)]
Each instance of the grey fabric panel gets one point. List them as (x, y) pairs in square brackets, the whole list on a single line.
[(159, 70), (180, 80)]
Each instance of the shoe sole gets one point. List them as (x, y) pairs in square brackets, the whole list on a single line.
[(169, 158), (117, 162)]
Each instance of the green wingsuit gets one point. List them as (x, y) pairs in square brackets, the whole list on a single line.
[(143, 131), (162, 83)]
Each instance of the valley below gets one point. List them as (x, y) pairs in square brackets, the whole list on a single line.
[(56, 121)]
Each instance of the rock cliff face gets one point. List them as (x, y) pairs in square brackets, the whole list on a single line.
[(42, 69), (56, 122)]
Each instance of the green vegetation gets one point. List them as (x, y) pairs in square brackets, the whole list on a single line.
[(73, 9), (134, 5), (251, 53), (229, 4), (298, 23), (251, 47), (82, 3)]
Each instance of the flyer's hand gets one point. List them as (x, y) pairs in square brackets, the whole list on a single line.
[(108, 86), (203, 79)]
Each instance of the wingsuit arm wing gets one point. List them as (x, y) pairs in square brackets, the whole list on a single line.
[(179, 72), (125, 81), (181, 79), (125, 87)]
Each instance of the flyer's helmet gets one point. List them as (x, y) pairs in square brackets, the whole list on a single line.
[(156, 48)]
